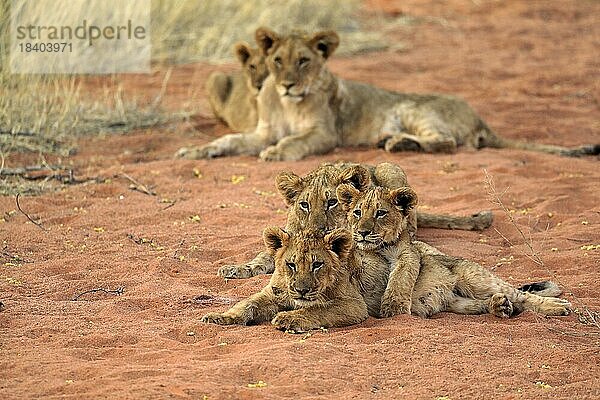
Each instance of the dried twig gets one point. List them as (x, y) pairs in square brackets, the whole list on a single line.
[(177, 249), (118, 291), (140, 187), (27, 215)]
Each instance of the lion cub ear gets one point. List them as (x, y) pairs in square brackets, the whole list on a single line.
[(242, 51), (266, 39), (405, 198), (324, 43), (289, 186), (356, 175), (275, 238), (340, 242), (346, 195)]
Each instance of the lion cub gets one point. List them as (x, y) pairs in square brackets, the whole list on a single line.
[(400, 276), (309, 289), (232, 97)]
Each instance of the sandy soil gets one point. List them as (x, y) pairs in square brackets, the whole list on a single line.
[(530, 68)]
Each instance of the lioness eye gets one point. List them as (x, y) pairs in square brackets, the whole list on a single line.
[(331, 203), (303, 61), (357, 213), (291, 266), (304, 205), (316, 265), (277, 61), (252, 67), (380, 213)]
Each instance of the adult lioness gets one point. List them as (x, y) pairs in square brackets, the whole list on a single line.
[(304, 109), (313, 206), (397, 276), (232, 97)]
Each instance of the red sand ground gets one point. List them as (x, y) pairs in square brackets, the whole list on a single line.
[(530, 68)]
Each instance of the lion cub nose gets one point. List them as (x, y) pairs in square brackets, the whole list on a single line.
[(287, 85), (364, 234), (302, 291)]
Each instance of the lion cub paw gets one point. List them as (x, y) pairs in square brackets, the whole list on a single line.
[(500, 306), (391, 307), (198, 153), (291, 321), (220, 319), (235, 272)]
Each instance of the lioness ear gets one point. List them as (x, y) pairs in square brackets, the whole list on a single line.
[(266, 39), (275, 238), (346, 194), (340, 242), (356, 175), (242, 51), (289, 185), (324, 43), (404, 198)]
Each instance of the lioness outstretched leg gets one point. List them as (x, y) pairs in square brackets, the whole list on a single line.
[(263, 263), (257, 308), (228, 145), (475, 222)]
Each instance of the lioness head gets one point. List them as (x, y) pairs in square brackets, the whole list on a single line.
[(312, 200), (311, 265), (377, 216), (253, 63), (296, 60)]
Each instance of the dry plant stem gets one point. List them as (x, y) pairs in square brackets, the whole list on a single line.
[(118, 291), (27, 215), (495, 198), (135, 185)]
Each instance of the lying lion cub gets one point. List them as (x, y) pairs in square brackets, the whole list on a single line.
[(304, 109), (309, 289), (232, 97), (313, 206), (397, 276)]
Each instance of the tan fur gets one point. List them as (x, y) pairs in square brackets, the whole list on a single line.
[(232, 97), (309, 289), (396, 273), (313, 206), (304, 109)]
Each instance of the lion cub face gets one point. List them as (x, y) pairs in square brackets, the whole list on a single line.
[(377, 216), (309, 264), (312, 200), (254, 66), (296, 60)]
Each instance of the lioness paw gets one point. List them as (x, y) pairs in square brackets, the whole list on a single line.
[(555, 306), (291, 321), (218, 318), (277, 153), (198, 153), (500, 306), (391, 307)]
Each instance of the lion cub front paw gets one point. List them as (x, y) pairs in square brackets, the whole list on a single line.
[(235, 272), (291, 321), (391, 307), (219, 319)]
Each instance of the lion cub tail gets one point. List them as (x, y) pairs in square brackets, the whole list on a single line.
[(544, 289)]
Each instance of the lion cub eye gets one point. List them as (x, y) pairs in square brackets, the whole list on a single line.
[(357, 213), (304, 205), (380, 213), (277, 61), (252, 67), (291, 266), (331, 203), (303, 61), (316, 266)]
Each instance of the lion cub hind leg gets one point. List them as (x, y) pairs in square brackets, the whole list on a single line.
[(218, 88), (464, 305), (263, 263)]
